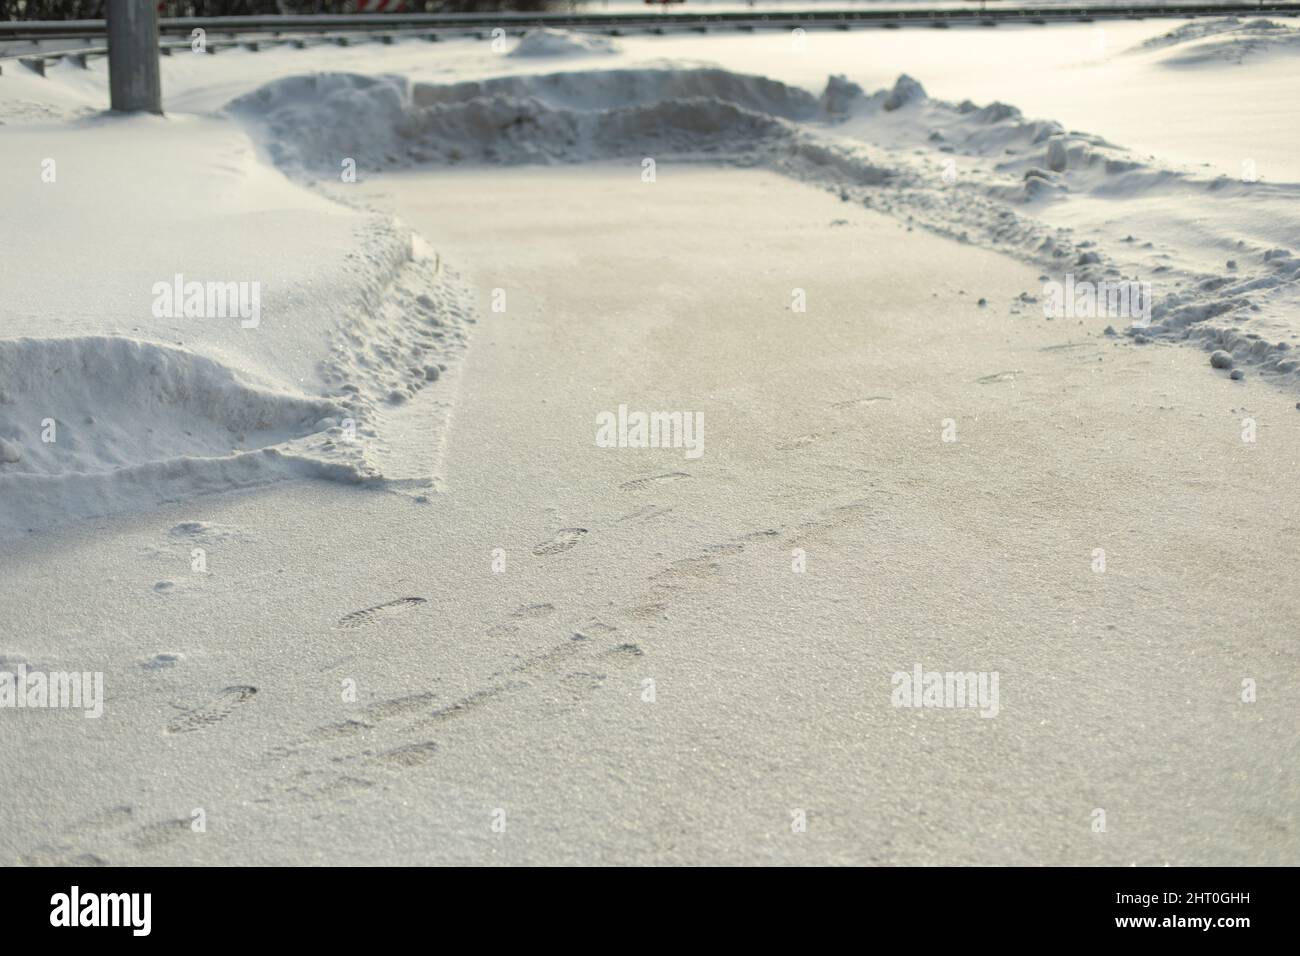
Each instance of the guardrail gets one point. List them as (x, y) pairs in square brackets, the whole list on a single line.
[(255, 32), (512, 21)]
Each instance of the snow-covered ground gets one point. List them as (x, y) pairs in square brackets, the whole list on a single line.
[(424, 268), (1078, 156)]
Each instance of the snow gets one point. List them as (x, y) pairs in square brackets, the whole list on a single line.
[(559, 43), (1024, 186), (117, 397), (917, 197), (348, 337)]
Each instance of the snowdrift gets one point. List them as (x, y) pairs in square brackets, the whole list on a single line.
[(555, 43), (1226, 40), (115, 397)]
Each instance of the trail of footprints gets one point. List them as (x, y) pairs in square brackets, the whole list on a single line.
[(560, 675), (342, 759), (566, 538), (118, 824), (578, 666), (339, 768), (705, 565)]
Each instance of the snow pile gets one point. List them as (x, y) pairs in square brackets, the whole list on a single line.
[(1224, 40), (387, 122), (243, 331), (141, 401), (541, 43)]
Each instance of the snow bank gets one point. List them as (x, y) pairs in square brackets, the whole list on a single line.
[(389, 122), (1224, 40), (542, 43), (117, 393)]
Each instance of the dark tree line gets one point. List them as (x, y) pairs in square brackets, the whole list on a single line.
[(94, 9)]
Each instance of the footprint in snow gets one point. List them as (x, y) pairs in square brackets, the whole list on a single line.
[(563, 541), (217, 709), (372, 615)]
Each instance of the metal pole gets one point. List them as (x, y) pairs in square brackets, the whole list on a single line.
[(133, 78)]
